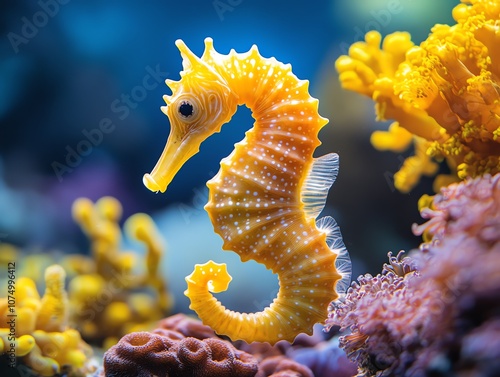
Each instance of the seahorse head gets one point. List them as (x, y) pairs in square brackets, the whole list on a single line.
[(201, 102)]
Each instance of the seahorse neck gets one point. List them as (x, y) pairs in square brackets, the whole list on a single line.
[(254, 80)]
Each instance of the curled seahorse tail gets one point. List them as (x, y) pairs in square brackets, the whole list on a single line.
[(291, 312)]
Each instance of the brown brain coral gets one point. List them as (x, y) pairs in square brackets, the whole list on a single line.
[(187, 326), (183, 346), (169, 353)]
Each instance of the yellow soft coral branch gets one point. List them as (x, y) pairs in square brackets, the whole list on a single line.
[(396, 139), (414, 167), (53, 312), (108, 297), (100, 222), (445, 91), (21, 345), (142, 228)]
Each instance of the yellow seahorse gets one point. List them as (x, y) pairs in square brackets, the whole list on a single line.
[(264, 200)]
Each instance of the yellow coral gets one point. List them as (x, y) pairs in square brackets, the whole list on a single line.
[(21, 345), (106, 296), (43, 365), (100, 222), (445, 92), (103, 298), (141, 227), (66, 347), (37, 330), (53, 312)]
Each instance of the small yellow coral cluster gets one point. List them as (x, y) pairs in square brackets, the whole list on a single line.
[(443, 95), (113, 291), (43, 339), (110, 299)]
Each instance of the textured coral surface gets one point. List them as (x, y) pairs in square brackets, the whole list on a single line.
[(442, 95), (183, 346), (437, 311)]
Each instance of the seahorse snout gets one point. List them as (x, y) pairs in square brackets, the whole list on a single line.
[(150, 183), (178, 150)]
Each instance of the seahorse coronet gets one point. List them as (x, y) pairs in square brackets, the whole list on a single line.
[(265, 198)]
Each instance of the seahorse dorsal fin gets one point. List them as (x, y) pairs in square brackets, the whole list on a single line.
[(329, 226), (321, 176)]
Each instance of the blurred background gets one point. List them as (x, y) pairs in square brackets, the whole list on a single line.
[(71, 67)]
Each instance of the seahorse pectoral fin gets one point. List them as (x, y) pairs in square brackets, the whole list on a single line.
[(177, 152)]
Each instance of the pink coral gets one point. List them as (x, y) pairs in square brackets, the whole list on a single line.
[(324, 359), (430, 313), (462, 208), (378, 334), (280, 366)]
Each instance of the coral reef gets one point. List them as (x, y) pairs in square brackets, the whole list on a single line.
[(43, 339), (435, 312), (112, 292), (442, 95), (184, 346), (109, 295), (317, 352)]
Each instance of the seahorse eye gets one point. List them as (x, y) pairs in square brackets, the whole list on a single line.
[(186, 109)]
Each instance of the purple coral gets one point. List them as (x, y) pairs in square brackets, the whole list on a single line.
[(324, 359), (376, 310), (437, 311)]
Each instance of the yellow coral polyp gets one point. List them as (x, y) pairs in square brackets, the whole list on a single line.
[(42, 365), (21, 345), (54, 308), (117, 314), (446, 91), (396, 139), (414, 167), (63, 347), (25, 320), (85, 288), (24, 345), (141, 227)]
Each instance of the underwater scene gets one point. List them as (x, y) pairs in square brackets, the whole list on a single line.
[(250, 188)]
